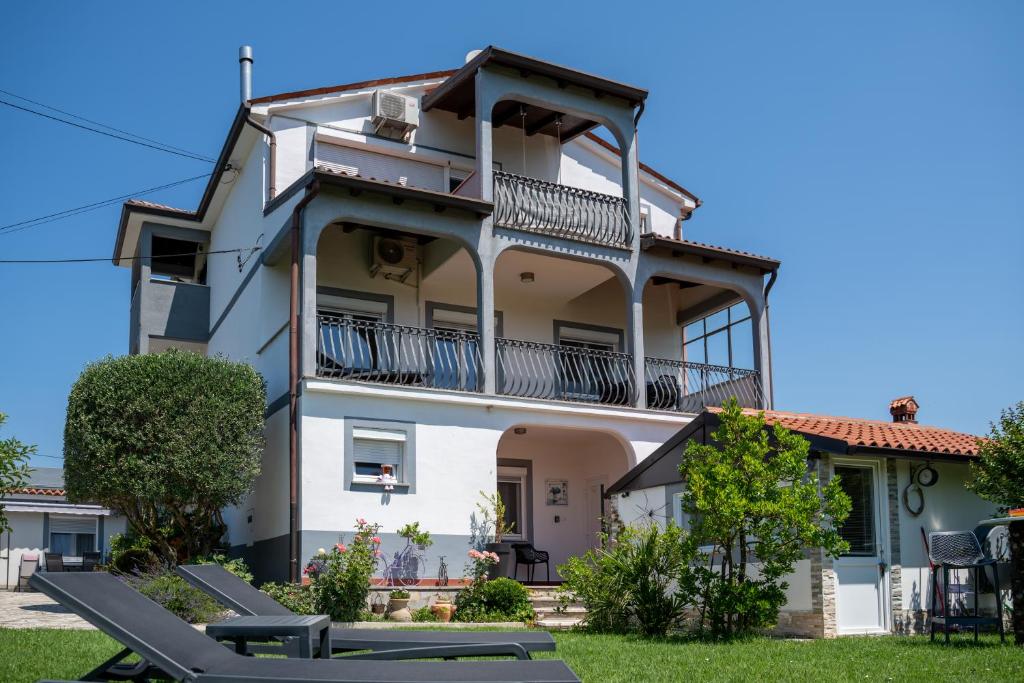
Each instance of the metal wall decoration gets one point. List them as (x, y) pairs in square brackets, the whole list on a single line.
[(557, 491)]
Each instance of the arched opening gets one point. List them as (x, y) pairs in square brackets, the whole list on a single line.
[(699, 343), (396, 307), (552, 480), (563, 332)]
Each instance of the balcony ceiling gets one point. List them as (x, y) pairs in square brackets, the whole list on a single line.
[(458, 94)]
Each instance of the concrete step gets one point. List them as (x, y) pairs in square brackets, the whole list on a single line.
[(567, 613), (559, 623)]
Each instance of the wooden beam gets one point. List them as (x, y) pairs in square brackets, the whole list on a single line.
[(507, 113), (715, 303), (543, 122)]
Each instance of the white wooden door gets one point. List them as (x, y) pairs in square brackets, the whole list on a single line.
[(862, 590)]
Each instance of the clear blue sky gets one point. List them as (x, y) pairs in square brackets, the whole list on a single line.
[(876, 148)]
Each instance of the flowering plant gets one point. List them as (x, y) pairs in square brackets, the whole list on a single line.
[(479, 562), (340, 579)]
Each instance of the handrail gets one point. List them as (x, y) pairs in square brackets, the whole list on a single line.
[(536, 205), (689, 387)]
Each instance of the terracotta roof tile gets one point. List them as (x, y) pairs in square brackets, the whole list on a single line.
[(153, 205), (38, 491), (901, 436)]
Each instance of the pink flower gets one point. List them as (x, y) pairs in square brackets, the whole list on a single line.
[(361, 522), (376, 539), (341, 547), (475, 554)]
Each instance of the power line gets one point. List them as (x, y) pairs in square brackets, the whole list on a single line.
[(131, 258), (97, 123), (67, 213), (187, 155)]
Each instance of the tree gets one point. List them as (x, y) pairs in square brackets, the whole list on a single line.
[(168, 439), (13, 469), (752, 497), (998, 476)]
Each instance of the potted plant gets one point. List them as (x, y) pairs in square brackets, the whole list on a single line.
[(443, 608), (416, 537), (398, 606), (492, 510)]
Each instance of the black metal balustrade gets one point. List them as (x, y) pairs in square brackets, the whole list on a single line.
[(536, 205), (690, 387), (564, 373), (373, 351)]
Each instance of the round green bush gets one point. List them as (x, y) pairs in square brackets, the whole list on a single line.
[(499, 599)]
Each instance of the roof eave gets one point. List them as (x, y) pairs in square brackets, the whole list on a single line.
[(764, 264)]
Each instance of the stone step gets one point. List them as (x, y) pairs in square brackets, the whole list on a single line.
[(568, 612), (539, 603), (559, 623)]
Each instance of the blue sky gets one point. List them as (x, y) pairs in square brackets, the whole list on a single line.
[(876, 148)]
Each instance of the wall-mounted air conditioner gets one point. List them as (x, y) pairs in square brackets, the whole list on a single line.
[(394, 113), (395, 257)]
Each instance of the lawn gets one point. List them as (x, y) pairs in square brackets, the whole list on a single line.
[(28, 655)]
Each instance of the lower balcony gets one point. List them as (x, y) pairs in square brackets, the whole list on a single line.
[(355, 349)]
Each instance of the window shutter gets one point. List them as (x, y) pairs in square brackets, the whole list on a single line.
[(72, 524), (859, 528), (380, 166), (371, 447)]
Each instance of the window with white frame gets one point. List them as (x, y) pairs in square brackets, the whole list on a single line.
[(723, 338), (376, 451), (512, 491)]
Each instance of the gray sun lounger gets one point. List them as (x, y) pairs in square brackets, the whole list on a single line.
[(168, 647), (243, 598)]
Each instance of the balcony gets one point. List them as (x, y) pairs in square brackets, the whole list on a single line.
[(690, 387), (373, 351), (539, 206), (564, 373)]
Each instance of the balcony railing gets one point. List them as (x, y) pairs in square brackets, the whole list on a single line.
[(373, 351), (690, 387), (564, 373), (540, 206)]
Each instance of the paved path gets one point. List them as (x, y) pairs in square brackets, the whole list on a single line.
[(35, 610)]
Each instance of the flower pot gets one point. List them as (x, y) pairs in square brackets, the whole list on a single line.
[(504, 567), (443, 611), (398, 609)]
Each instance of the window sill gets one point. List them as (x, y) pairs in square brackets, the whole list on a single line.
[(380, 485)]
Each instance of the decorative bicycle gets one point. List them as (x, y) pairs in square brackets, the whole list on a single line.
[(442, 573), (405, 567)]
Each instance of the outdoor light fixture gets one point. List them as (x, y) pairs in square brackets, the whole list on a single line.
[(526, 278), (520, 430)]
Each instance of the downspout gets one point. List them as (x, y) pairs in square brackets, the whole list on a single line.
[(768, 321), (272, 189), (245, 59), (294, 377)]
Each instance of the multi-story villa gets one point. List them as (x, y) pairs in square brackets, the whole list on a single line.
[(465, 278)]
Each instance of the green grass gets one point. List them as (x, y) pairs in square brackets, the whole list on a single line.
[(28, 655)]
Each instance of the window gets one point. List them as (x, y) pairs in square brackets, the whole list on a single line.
[(351, 336), (72, 534), (373, 450), (455, 356), (512, 490), (859, 528), (723, 338), (588, 376)]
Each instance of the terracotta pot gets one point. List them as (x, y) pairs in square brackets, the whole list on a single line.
[(398, 609), (443, 611)]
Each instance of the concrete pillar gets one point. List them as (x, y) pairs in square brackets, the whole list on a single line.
[(631, 182), (762, 351), (484, 152), (635, 337), (485, 314), (309, 328)]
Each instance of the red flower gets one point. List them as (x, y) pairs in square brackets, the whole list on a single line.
[(376, 539), (341, 547)]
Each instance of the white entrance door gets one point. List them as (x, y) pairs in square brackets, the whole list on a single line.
[(862, 591), (595, 487)]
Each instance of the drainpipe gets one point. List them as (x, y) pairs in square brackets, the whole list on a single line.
[(245, 88), (294, 377), (768, 321)]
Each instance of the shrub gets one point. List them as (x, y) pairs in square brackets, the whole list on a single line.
[(132, 554), (499, 599), (638, 582), (295, 596), (423, 614), (415, 536), (340, 578), (166, 588), (235, 565), (14, 470)]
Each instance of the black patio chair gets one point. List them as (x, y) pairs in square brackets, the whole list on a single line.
[(531, 557), (244, 598), (90, 560), (956, 551), (54, 562), (167, 647)]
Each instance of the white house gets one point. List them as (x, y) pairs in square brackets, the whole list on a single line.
[(904, 479), (466, 276), (42, 520)]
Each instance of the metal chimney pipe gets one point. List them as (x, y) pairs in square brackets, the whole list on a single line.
[(245, 72)]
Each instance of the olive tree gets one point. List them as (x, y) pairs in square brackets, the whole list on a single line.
[(168, 439), (13, 469), (753, 500), (998, 476)]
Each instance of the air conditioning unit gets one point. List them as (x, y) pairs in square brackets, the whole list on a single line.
[(394, 113), (395, 257)]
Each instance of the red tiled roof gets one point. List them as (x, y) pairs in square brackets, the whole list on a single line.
[(36, 491), (902, 436), (153, 205), (652, 239)]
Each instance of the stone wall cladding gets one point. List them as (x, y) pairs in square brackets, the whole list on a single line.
[(823, 577), (895, 559)]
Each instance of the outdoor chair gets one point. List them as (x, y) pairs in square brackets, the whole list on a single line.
[(531, 557), (26, 568), (168, 647), (54, 562), (90, 560), (960, 551), (244, 598)]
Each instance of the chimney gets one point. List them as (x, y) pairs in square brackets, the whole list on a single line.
[(903, 409), (245, 72)]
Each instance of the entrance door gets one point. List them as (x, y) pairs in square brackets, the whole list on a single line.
[(862, 592), (595, 510)]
